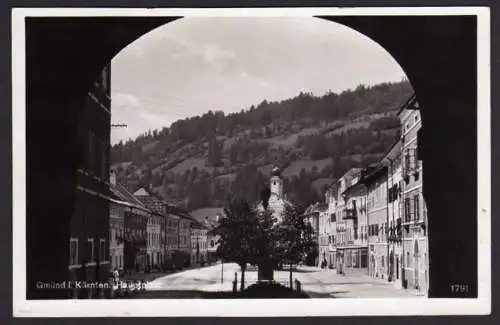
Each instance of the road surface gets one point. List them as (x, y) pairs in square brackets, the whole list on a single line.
[(317, 283)]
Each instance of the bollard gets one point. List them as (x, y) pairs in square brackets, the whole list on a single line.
[(297, 285), (235, 282)]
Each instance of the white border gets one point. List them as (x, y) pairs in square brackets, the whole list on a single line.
[(260, 307)]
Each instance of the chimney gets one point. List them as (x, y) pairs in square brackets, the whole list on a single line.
[(112, 178)]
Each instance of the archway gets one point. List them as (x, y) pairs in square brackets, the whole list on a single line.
[(437, 53)]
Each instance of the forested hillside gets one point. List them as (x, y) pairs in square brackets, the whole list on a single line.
[(202, 161)]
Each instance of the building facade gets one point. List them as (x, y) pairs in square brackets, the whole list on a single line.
[(393, 162), (135, 246), (89, 230), (179, 232), (415, 242), (172, 239), (116, 228), (154, 248), (199, 244), (378, 218), (355, 216), (323, 235), (330, 199), (185, 236), (351, 244)]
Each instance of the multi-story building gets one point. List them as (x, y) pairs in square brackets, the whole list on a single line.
[(116, 227), (172, 236), (89, 230), (351, 251), (415, 247), (355, 216), (185, 235), (330, 199), (199, 244), (378, 218), (394, 178), (323, 234), (210, 218), (136, 216), (180, 222), (156, 244), (154, 248)]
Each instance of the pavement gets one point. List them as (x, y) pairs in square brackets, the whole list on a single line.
[(315, 282)]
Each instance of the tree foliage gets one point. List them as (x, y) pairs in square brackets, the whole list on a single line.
[(294, 236), (240, 233)]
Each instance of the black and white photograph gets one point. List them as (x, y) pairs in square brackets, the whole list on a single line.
[(228, 159)]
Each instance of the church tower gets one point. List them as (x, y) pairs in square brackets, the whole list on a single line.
[(276, 184)]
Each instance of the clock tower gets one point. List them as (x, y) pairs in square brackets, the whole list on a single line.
[(276, 185)]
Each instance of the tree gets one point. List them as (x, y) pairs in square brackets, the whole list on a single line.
[(294, 237), (239, 235), (214, 153)]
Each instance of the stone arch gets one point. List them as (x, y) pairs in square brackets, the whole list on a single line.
[(438, 54)]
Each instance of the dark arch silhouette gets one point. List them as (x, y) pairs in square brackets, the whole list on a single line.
[(438, 54)]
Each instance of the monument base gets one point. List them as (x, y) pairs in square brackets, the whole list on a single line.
[(266, 273)]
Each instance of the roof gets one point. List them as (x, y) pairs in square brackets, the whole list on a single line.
[(351, 173), (322, 206), (394, 151), (411, 103), (359, 184), (141, 192), (124, 196), (313, 208), (207, 216), (378, 172), (181, 213)]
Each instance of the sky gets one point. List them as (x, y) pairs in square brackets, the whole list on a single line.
[(193, 65)]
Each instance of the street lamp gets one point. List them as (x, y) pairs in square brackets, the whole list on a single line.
[(222, 271)]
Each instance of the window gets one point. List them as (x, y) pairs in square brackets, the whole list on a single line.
[(416, 207), (102, 250), (407, 160), (407, 259), (90, 249), (73, 251), (407, 210)]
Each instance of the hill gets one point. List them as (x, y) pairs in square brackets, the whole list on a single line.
[(202, 161)]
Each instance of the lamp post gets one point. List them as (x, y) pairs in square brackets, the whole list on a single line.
[(222, 271)]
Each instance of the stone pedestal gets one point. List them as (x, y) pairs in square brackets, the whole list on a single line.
[(266, 272)]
